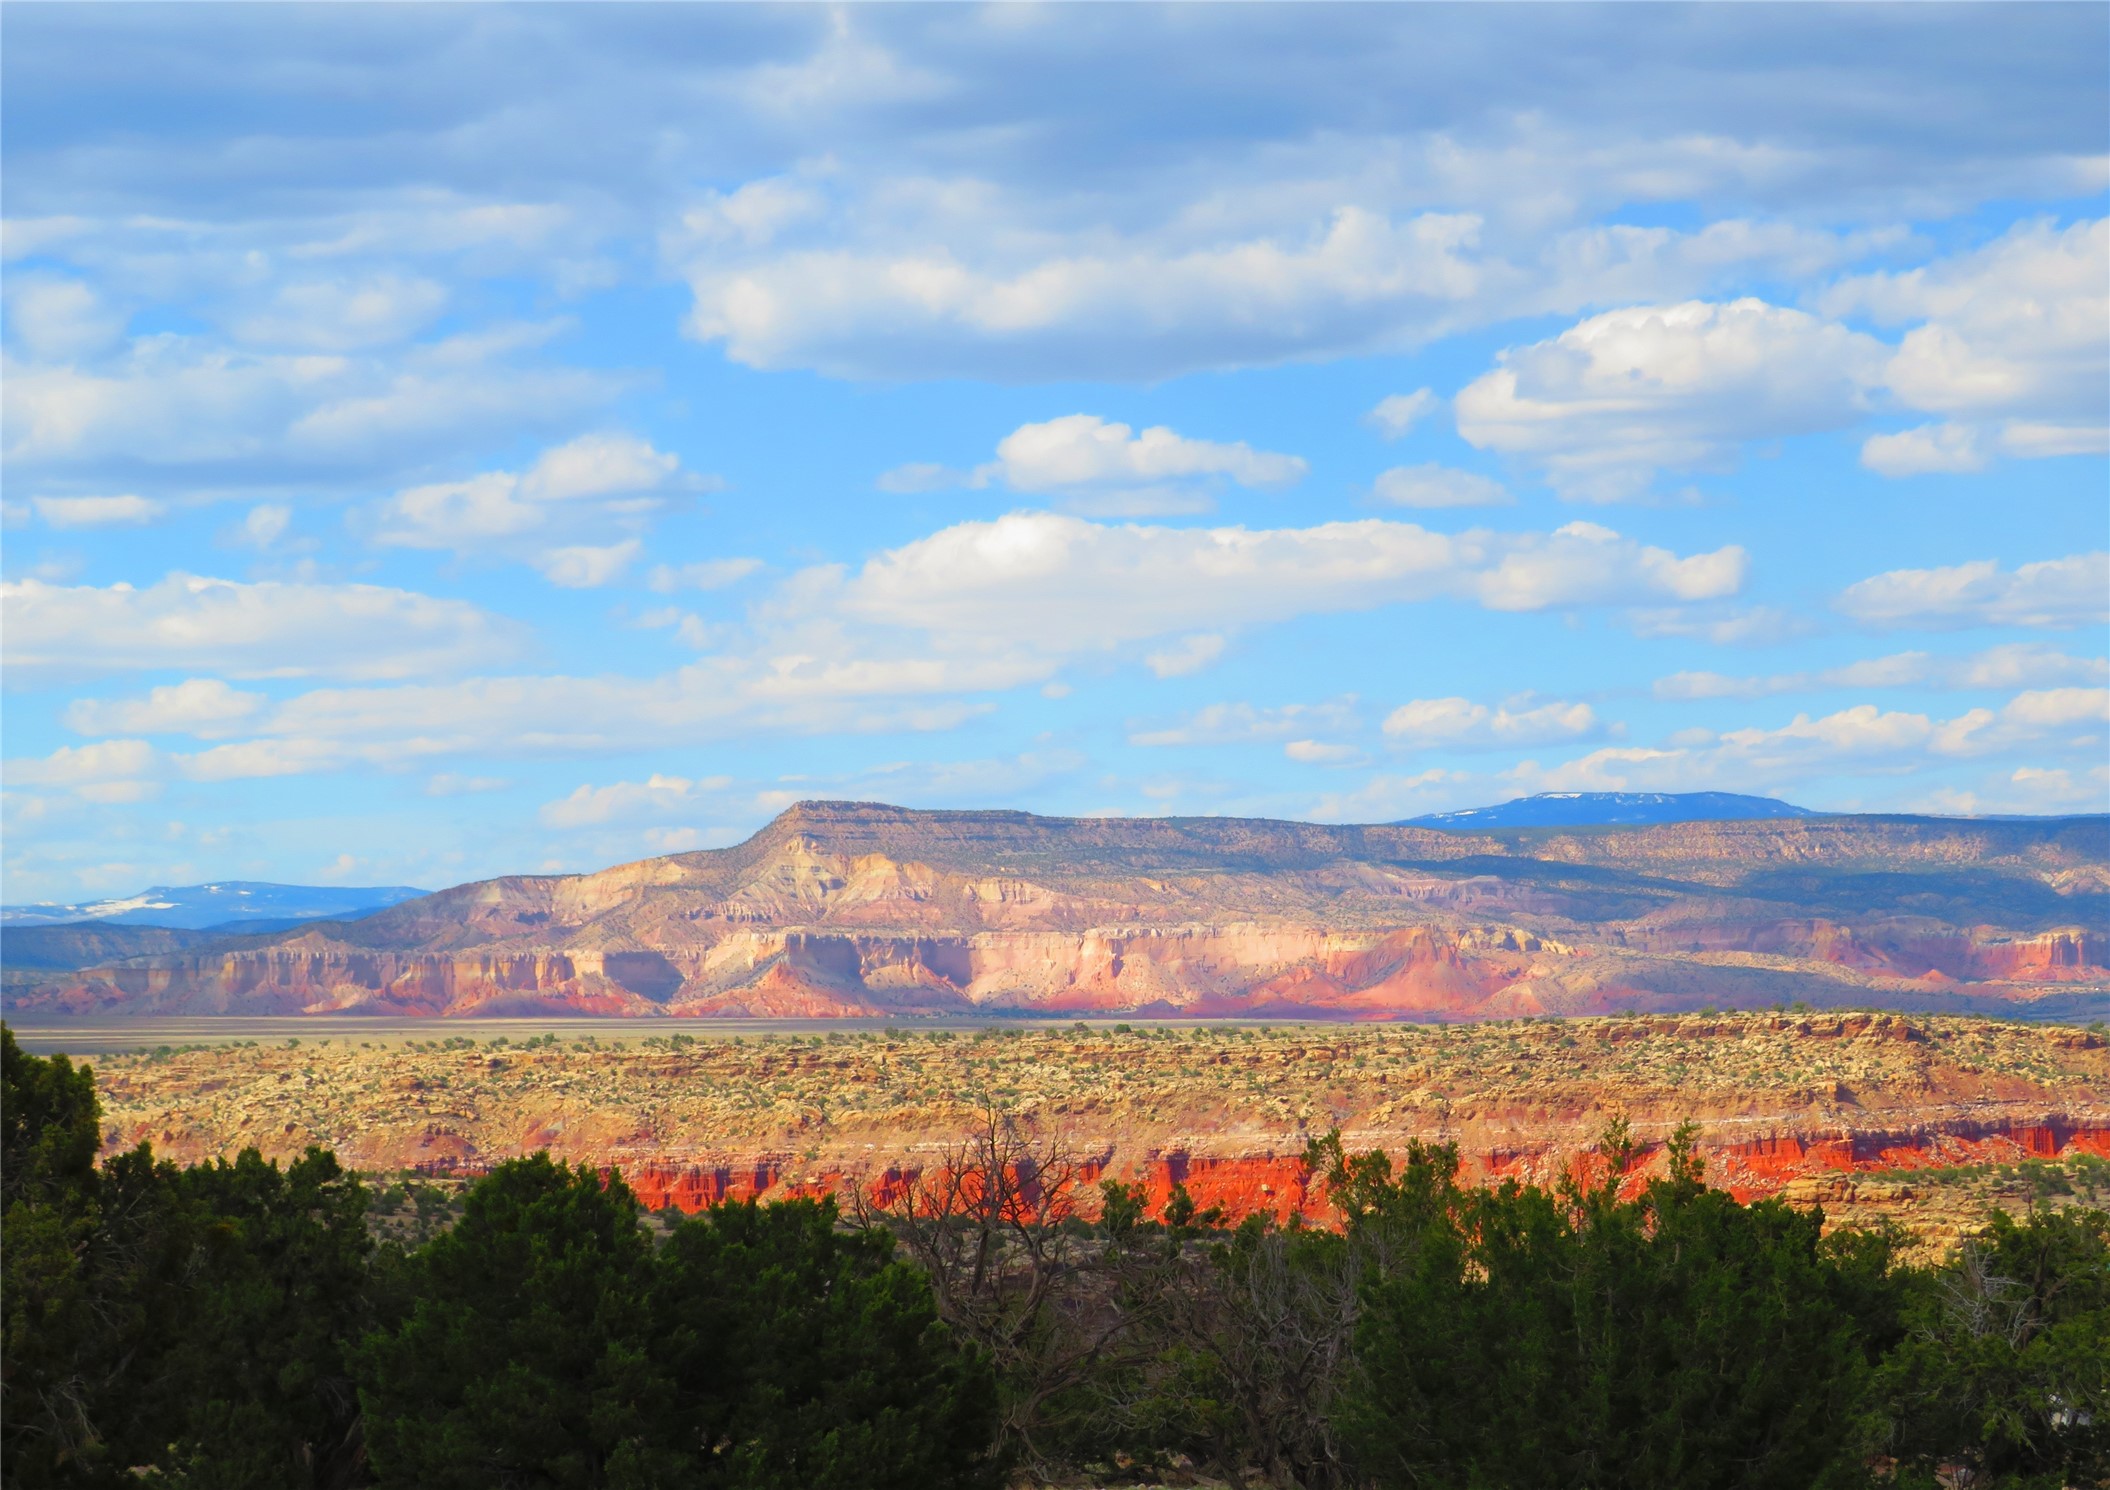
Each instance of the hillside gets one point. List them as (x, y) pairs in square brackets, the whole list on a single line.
[(859, 909)]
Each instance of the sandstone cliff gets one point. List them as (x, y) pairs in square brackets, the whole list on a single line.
[(848, 909)]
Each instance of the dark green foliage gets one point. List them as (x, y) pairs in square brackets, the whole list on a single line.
[(522, 1359), (252, 1382), (2006, 1365), (802, 1356), (232, 1327), (60, 1355), (1520, 1338), (546, 1344)]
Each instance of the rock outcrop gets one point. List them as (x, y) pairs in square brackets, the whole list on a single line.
[(845, 909)]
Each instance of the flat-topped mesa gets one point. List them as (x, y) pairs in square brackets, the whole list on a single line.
[(848, 908)]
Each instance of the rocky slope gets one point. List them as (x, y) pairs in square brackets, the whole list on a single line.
[(1873, 1114), (857, 909)]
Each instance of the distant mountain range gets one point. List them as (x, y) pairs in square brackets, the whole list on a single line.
[(1587, 809), (229, 905), (864, 910)]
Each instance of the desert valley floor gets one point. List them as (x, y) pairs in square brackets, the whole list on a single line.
[(1924, 1119)]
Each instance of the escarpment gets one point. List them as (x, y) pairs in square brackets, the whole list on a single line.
[(849, 909)]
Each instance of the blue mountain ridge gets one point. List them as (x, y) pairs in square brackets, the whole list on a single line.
[(1592, 809), (226, 904)]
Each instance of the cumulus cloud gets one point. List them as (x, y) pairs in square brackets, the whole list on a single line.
[(1428, 486), (2019, 328), (1321, 753), (1046, 580), (1461, 724), (178, 404), (266, 629), (593, 806), (1948, 449), (265, 524), (128, 511), (204, 707), (1400, 412), (1611, 400), (2057, 593), (595, 478), (2015, 665), (1190, 655), (1083, 449), (107, 771), (1863, 738), (1102, 468), (584, 566)]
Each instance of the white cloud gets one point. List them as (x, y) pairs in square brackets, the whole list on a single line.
[(266, 523), (594, 479), (1191, 655), (1400, 412), (591, 806), (177, 403), (1461, 724), (1428, 486), (1357, 279), (576, 489), (1862, 739), (586, 566), (2014, 665), (906, 641), (2037, 440), (205, 707), (707, 574), (98, 512), (1083, 449), (266, 629), (1616, 397), (1051, 582), (59, 320), (1319, 753), (82, 767), (601, 465), (2020, 327), (1242, 723), (2059, 593), (2053, 789), (1948, 449), (340, 315)]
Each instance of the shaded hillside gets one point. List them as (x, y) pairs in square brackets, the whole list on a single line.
[(855, 908)]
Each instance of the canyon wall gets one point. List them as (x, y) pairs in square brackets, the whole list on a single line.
[(856, 910)]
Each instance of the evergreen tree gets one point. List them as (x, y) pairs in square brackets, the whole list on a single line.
[(2005, 1368), (802, 1357), (1520, 1338), (522, 1360)]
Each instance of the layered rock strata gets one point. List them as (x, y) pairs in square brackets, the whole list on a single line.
[(1782, 1101), (859, 910)]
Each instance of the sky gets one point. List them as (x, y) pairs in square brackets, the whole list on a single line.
[(446, 442)]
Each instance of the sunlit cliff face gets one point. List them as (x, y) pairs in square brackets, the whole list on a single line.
[(846, 910)]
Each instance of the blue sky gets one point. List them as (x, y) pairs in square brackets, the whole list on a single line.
[(456, 441)]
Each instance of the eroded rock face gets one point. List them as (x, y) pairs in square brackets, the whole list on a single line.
[(1831, 1107), (857, 910)]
